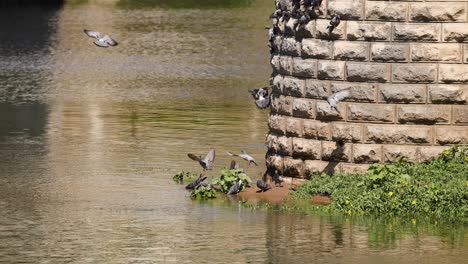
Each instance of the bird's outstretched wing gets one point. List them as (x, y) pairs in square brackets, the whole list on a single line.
[(101, 44), (263, 103), (341, 95), (254, 93), (209, 157), (194, 157), (109, 40), (92, 34), (263, 92), (231, 154)]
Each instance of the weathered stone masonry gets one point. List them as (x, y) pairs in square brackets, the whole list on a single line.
[(407, 63)]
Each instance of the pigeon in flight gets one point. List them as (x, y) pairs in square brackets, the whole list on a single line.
[(262, 186), (244, 156), (277, 179), (99, 41), (206, 161), (261, 96), (196, 183), (334, 22), (236, 188), (335, 98)]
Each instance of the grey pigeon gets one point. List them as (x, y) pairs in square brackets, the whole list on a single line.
[(99, 41), (277, 179), (244, 156), (262, 186), (334, 22), (195, 183), (335, 98), (234, 165), (262, 97), (276, 14), (315, 3), (236, 188), (206, 161)]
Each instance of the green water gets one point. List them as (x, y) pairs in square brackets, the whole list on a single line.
[(90, 138)]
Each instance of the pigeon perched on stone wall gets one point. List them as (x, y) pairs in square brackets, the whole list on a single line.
[(334, 22)]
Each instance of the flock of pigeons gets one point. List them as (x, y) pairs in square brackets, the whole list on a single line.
[(304, 15), (207, 161), (262, 96)]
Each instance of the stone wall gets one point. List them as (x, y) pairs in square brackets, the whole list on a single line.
[(407, 65)]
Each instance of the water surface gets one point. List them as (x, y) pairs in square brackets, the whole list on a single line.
[(90, 138)]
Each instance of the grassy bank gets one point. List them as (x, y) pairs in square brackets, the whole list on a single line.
[(435, 190)]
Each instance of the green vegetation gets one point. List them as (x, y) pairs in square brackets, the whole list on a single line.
[(229, 177), (438, 189), (182, 176), (204, 192)]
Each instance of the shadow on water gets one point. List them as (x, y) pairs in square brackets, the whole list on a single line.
[(184, 3)]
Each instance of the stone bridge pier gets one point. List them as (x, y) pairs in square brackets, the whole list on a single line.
[(406, 63)]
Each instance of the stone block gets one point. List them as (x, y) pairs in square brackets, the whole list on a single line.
[(448, 135), (370, 31), (389, 52), (316, 167), (348, 132), (370, 113), (293, 86), (304, 68), (392, 153), (411, 73), (314, 129), (307, 31), (290, 27), (346, 9), (293, 167), (351, 51), (423, 114), (291, 47), (306, 148), (436, 52), (360, 92), (275, 63), (431, 12), (465, 52), (331, 70), (367, 72), (293, 127), (460, 115), (448, 94), (282, 146), (401, 134), (317, 48), (350, 168), (316, 89), (325, 112), (277, 84), (281, 104), (386, 11), (274, 162), (332, 151), (337, 33), (367, 153), (453, 73), (416, 32), (455, 32), (304, 108), (428, 154), (403, 93), (277, 124)]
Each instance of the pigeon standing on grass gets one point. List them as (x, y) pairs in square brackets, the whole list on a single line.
[(99, 41), (335, 98), (334, 22), (206, 161), (195, 183), (236, 188), (244, 156)]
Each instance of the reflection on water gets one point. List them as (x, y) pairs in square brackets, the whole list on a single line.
[(90, 138)]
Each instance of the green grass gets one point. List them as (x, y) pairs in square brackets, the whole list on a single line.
[(434, 190)]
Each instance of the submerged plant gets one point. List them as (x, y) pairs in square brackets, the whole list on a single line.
[(203, 192), (182, 176), (229, 177)]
